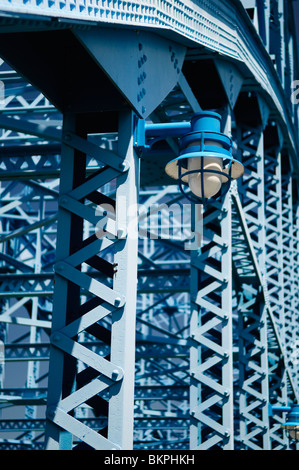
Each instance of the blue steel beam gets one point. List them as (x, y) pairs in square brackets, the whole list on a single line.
[(117, 372), (211, 390), (249, 281), (162, 323), (238, 41), (256, 270), (290, 298), (294, 354), (164, 253), (253, 375), (211, 352)]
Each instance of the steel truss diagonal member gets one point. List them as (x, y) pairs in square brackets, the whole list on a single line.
[(78, 377), (211, 387), (211, 350), (252, 324)]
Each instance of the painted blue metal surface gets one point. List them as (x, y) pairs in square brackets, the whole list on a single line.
[(216, 321), (211, 357)]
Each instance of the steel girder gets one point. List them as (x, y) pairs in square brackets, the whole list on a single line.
[(263, 304), (289, 242), (211, 349), (254, 33), (252, 320), (163, 302), (253, 376), (112, 304), (28, 215), (244, 333)]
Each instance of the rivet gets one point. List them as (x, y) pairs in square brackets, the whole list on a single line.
[(115, 374), (63, 200), (51, 413), (121, 232), (59, 267), (56, 337), (122, 165)]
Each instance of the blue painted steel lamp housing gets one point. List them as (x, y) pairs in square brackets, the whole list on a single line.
[(205, 162), (292, 423)]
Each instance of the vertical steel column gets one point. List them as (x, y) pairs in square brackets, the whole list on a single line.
[(162, 379), (253, 370), (273, 226), (35, 333), (106, 382), (274, 282), (211, 350), (121, 403), (294, 353), (251, 186), (211, 361), (278, 393), (66, 299), (3, 328), (289, 326)]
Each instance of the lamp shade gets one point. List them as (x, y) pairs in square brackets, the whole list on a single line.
[(205, 162)]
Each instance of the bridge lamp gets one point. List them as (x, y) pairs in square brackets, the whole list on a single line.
[(292, 423), (205, 163)]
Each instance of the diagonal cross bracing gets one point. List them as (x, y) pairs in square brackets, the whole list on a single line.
[(77, 375)]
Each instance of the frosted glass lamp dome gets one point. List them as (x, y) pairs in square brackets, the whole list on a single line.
[(205, 163)]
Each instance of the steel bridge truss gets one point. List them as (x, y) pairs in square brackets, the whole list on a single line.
[(131, 318)]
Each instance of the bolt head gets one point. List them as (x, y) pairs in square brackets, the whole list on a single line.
[(117, 301), (121, 233), (115, 374), (56, 337), (59, 267), (51, 413), (124, 165), (63, 200)]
